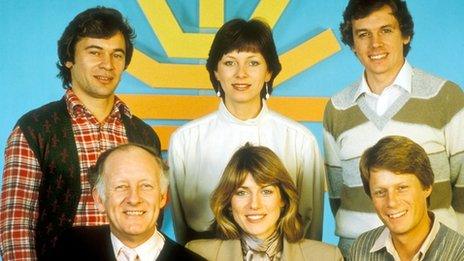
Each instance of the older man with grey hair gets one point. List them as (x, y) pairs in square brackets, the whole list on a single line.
[(130, 185)]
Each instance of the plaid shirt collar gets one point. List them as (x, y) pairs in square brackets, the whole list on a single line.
[(77, 109)]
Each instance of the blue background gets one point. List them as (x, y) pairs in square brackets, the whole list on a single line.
[(30, 30)]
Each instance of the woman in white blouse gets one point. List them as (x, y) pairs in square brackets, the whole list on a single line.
[(242, 64)]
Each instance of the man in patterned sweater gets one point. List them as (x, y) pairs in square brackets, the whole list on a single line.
[(397, 176), (391, 98), (45, 183)]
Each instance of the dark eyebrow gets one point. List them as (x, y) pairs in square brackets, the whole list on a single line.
[(93, 46), (361, 30), (100, 48), (120, 50), (388, 26)]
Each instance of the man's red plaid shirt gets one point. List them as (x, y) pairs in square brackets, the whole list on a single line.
[(22, 177)]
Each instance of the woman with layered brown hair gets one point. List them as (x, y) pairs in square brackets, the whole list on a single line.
[(256, 213)]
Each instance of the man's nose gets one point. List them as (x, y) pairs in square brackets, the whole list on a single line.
[(107, 62), (134, 196)]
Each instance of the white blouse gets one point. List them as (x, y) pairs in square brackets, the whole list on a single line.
[(200, 150)]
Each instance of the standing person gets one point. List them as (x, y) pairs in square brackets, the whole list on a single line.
[(256, 213), (45, 184), (242, 65), (391, 98), (130, 185), (397, 176)]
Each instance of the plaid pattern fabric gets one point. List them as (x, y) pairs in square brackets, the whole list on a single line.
[(22, 177)]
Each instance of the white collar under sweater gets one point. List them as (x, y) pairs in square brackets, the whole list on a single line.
[(381, 102)]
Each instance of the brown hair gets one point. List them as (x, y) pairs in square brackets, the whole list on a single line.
[(358, 9), (249, 36), (266, 168), (397, 154), (98, 22)]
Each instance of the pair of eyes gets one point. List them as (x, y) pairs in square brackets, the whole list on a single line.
[(365, 33), (244, 192), (230, 63), (97, 53), (124, 187), (380, 193)]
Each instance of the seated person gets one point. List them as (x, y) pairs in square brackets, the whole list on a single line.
[(129, 184), (397, 176), (256, 211)]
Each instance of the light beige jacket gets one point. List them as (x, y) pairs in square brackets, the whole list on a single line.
[(231, 250)]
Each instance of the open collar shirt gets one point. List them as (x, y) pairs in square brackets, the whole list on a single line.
[(385, 241), (381, 102)]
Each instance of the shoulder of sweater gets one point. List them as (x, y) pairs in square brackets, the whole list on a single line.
[(425, 85), (451, 234), (345, 98), (43, 110), (370, 235)]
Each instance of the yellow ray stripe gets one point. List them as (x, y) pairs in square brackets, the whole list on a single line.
[(307, 54), (270, 10), (188, 76), (181, 107), (175, 42), (164, 134), (211, 13), (159, 75)]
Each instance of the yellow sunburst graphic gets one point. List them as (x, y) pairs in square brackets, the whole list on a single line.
[(179, 44)]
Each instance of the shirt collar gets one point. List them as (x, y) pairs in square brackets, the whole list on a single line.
[(225, 113), (148, 250), (429, 239), (76, 108), (385, 241), (402, 80)]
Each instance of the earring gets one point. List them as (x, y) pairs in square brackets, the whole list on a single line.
[(218, 93), (267, 92)]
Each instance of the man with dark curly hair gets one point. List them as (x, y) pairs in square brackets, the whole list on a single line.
[(391, 98), (45, 184)]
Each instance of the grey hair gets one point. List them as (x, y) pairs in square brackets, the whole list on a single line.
[(96, 177)]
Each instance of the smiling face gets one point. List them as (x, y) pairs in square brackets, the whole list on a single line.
[(97, 67), (133, 196), (256, 208), (401, 202), (378, 44), (242, 76)]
